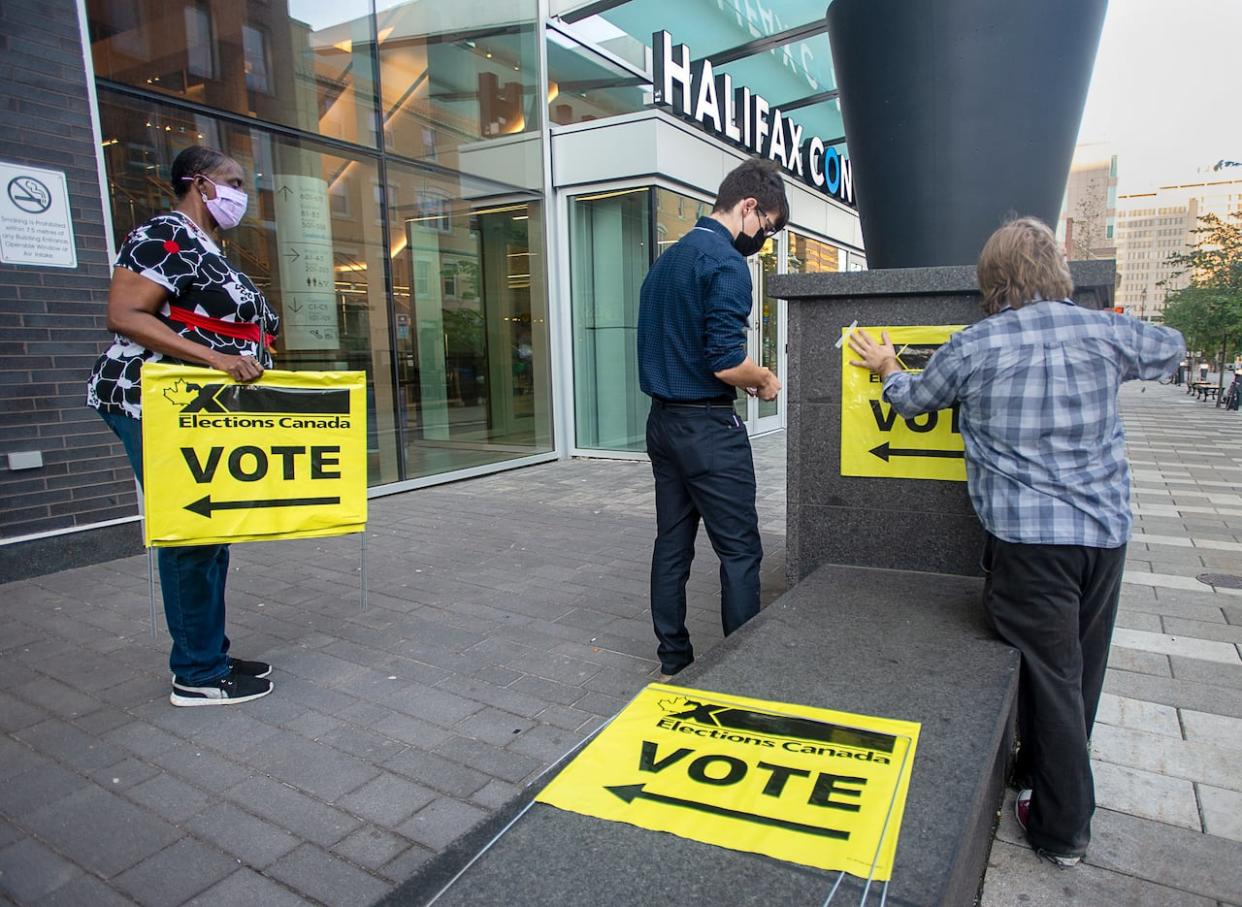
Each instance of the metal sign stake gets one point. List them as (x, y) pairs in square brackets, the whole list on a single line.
[(363, 569), (151, 586)]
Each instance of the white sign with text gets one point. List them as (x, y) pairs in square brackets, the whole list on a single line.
[(35, 224)]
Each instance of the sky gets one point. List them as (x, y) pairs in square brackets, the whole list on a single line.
[(1166, 92)]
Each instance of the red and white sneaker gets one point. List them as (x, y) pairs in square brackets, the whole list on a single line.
[(1022, 812)]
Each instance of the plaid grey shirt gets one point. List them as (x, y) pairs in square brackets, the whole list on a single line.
[(1045, 450)]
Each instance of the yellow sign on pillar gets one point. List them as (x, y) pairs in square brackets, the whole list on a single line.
[(875, 440), (283, 457), (793, 782)]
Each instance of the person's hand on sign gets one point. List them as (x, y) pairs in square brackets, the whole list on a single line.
[(880, 358), (239, 368)]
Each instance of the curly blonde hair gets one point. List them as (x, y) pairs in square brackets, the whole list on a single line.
[(1021, 262)]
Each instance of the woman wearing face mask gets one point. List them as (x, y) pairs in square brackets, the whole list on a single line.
[(175, 297)]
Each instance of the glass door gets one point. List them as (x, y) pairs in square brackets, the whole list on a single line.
[(765, 343)]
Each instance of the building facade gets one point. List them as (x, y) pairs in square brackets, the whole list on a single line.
[(1087, 226), (1151, 226), (459, 199)]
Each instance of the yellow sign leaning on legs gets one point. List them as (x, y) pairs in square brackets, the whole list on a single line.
[(797, 783), (875, 440), (283, 457)]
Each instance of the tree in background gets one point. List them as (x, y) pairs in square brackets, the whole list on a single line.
[(1208, 312)]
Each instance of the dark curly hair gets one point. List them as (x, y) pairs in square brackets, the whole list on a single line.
[(759, 179), (190, 163)]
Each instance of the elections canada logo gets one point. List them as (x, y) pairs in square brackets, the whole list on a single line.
[(773, 731), (216, 406)]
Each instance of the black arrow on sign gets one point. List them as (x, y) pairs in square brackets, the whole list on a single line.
[(285, 191), (293, 254), (884, 452), (204, 505), (631, 792)]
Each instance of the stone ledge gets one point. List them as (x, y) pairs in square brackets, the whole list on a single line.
[(942, 281), (881, 642)]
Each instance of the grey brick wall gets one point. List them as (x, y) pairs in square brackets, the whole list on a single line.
[(52, 319)]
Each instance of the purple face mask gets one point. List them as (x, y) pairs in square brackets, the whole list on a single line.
[(228, 207)]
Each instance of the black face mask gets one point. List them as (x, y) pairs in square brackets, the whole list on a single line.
[(750, 243)]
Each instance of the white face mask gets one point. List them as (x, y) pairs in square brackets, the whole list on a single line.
[(228, 207)]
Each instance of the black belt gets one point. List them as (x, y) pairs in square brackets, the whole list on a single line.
[(709, 403)]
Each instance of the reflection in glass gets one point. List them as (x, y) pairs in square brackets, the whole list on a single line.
[(769, 323), (470, 300), (320, 264), (609, 252), (457, 74), (301, 63), (676, 215), (584, 86), (810, 256)]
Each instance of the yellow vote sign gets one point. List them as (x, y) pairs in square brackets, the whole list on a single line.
[(875, 440), (801, 784), (283, 457)]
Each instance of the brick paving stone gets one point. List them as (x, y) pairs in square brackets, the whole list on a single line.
[(176, 874), (103, 832), (248, 838), (65, 742), (84, 890), (246, 888), (504, 764), (1147, 794), (410, 861), (1222, 812), (510, 700), (326, 878), (1202, 697), (202, 767), (305, 817), (495, 794), (387, 800), (546, 743), (1192, 669), (312, 767), (143, 739), (368, 746), (16, 714), (441, 822), (28, 870), (169, 797), (438, 772), (404, 728), (124, 775), (491, 725), (370, 847), (566, 717), (42, 785)]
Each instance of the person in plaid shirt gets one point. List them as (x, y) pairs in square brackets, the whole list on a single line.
[(1037, 383)]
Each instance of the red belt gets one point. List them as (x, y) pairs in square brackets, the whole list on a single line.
[(238, 330)]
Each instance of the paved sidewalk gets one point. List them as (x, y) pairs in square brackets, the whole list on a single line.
[(508, 617), (507, 620), (1167, 747)]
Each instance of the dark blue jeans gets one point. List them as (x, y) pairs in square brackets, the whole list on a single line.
[(703, 469), (192, 578)]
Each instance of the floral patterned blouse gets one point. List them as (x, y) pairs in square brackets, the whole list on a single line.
[(173, 251)]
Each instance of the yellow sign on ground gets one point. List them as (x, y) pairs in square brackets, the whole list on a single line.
[(797, 783), (283, 457), (875, 440)]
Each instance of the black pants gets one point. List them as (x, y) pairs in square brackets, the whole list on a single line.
[(703, 468), (1056, 604)]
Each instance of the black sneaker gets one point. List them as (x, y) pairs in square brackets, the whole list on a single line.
[(231, 689), (249, 668), (246, 668)]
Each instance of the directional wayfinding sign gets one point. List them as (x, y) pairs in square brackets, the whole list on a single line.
[(283, 457), (875, 440), (796, 783)]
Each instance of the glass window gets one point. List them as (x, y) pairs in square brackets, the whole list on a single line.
[(460, 86), (810, 256), (610, 254), (301, 63), (584, 86), (470, 299), (676, 215), (324, 273)]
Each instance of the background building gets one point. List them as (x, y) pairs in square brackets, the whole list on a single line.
[(1151, 226), (1087, 227), (460, 199)]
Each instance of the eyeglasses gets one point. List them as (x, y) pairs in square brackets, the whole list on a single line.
[(768, 232)]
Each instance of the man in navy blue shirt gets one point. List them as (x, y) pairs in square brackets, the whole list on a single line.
[(692, 321)]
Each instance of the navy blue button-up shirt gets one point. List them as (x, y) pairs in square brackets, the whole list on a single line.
[(692, 317)]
